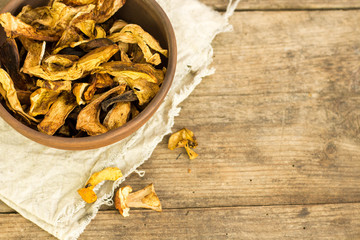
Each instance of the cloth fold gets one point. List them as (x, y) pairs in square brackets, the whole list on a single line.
[(41, 183)]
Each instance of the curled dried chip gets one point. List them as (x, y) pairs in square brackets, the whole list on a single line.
[(118, 115), (41, 100), (145, 198), (98, 80), (117, 26), (90, 45), (184, 138), (144, 90), (100, 32), (131, 70), (36, 51), (10, 60), (128, 96), (55, 86), (78, 91), (10, 95), (110, 173), (87, 27), (133, 33), (88, 119), (57, 114), (80, 68), (59, 62), (105, 9), (14, 27)]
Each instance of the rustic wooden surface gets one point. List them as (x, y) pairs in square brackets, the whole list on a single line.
[(279, 133)]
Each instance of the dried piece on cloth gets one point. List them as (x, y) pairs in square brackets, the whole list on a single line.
[(145, 198), (14, 27), (10, 95), (55, 86), (128, 96), (41, 100), (10, 60), (87, 193), (88, 119), (133, 33), (80, 68), (118, 115), (57, 114), (144, 90), (131, 70), (78, 91), (184, 138)]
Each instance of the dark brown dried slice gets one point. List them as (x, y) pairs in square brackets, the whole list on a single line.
[(118, 115), (10, 60), (54, 85), (128, 96), (88, 119), (95, 43), (57, 114)]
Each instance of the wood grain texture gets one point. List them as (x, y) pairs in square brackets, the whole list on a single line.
[(278, 124), (340, 221), (285, 4)]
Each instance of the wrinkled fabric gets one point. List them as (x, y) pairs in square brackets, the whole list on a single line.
[(41, 183)]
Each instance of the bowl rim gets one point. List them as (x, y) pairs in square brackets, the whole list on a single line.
[(112, 136)]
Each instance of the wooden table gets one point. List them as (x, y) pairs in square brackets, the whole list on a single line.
[(279, 135)]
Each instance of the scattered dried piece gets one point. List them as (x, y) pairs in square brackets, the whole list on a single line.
[(145, 198), (184, 138), (87, 193)]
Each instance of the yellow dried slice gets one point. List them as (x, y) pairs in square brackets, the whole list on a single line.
[(14, 27), (144, 90), (41, 101), (79, 2), (117, 26), (100, 32), (87, 27), (105, 9), (57, 114), (107, 174), (131, 70), (10, 95), (78, 91), (133, 33), (80, 68), (184, 138), (118, 115), (88, 119), (36, 51)]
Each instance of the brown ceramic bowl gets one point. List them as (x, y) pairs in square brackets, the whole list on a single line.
[(149, 15)]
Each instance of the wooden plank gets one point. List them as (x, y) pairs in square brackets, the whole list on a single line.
[(278, 123), (275, 4), (339, 221), (285, 4)]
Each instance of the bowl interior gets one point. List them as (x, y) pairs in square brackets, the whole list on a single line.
[(149, 15)]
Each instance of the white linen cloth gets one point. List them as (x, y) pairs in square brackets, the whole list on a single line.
[(41, 183)]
